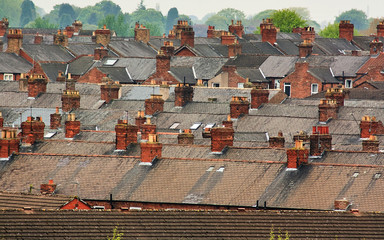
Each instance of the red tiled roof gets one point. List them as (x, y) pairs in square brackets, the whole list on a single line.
[(375, 61)]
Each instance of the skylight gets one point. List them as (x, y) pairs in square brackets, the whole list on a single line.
[(195, 126), (174, 125), (377, 175), (210, 125), (221, 169), (210, 169), (355, 174), (110, 62)]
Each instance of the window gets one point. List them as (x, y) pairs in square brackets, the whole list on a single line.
[(110, 62), (287, 89), (210, 125), (277, 84), (314, 88), (221, 169), (215, 84), (210, 169), (348, 83), (195, 126), (8, 77), (174, 125), (240, 85)]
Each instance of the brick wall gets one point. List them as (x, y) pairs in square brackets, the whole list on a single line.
[(154, 104), (239, 106), (220, 138), (92, 76)]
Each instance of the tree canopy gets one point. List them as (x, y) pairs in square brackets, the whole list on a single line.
[(66, 15), (357, 17), (172, 17), (330, 31), (287, 19), (28, 12), (115, 23), (41, 23)]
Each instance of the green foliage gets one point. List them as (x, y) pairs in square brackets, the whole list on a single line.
[(258, 18), (41, 23), (115, 23), (279, 235), (66, 15), (218, 21), (11, 10), (28, 12), (141, 5), (303, 12), (185, 18), (150, 18), (107, 8), (231, 14), (287, 19), (172, 17), (116, 235), (94, 14), (357, 17), (330, 31)]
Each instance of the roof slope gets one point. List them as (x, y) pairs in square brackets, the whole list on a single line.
[(11, 63)]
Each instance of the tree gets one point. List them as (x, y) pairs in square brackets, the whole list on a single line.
[(254, 22), (330, 31), (116, 235), (141, 5), (107, 8), (287, 19), (41, 23), (231, 14), (218, 21), (28, 12), (115, 23), (148, 17), (172, 17), (357, 17), (66, 15), (11, 9)]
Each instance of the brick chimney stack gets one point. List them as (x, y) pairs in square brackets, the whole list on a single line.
[(70, 100), (163, 62), (140, 120), (48, 188), (236, 28), (154, 104), (109, 90), (371, 144), (228, 123), (376, 46), (188, 37), (78, 25), (221, 137), (328, 109), (227, 38), (147, 128), (100, 53), (70, 83), (370, 126), (151, 149), (305, 48), (103, 36), (36, 84), (268, 31), (32, 130), (70, 31), (142, 34), (320, 140), (1, 120), (239, 106), (38, 39), (60, 77), (55, 119), (297, 155), (210, 32), (258, 97), (61, 38), (9, 142), (341, 205), (125, 134), (380, 29), (186, 137), (3, 26), (15, 41), (337, 95), (346, 30), (277, 142), (234, 49), (72, 126), (183, 94), (308, 33), (168, 48)]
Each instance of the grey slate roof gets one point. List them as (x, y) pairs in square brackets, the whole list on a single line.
[(85, 48), (44, 52), (11, 63), (181, 73), (278, 66), (348, 64), (119, 74), (132, 48), (253, 74), (206, 68), (52, 69), (261, 48), (81, 65), (334, 46), (323, 74), (247, 61), (206, 50)]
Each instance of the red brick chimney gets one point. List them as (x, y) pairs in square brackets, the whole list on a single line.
[(297, 155), (163, 62), (70, 31), (109, 90), (78, 25), (55, 119), (221, 137), (236, 28), (320, 140), (103, 36), (227, 38), (183, 95), (168, 48), (9, 142), (268, 31), (305, 48), (48, 188), (188, 37), (308, 33), (142, 34), (376, 46), (3, 26), (15, 40), (228, 123), (151, 149), (258, 97), (210, 32), (234, 49), (72, 126), (125, 134), (38, 39), (140, 120), (337, 95), (60, 77), (277, 142), (1, 120), (36, 84), (146, 129), (341, 204), (32, 130), (239, 106), (328, 109), (186, 137), (100, 53), (346, 30), (371, 144), (302, 135), (154, 104), (70, 100), (370, 126), (1, 46), (61, 38), (380, 29)]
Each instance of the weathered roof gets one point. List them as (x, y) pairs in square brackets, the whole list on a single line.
[(12, 63), (348, 64), (288, 47), (206, 68), (253, 74), (372, 62), (245, 60), (334, 46), (181, 73), (21, 200), (132, 48), (86, 49), (264, 48), (42, 52), (52, 69), (80, 65), (206, 50), (119, 74), (324, 74), (278, 66)]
